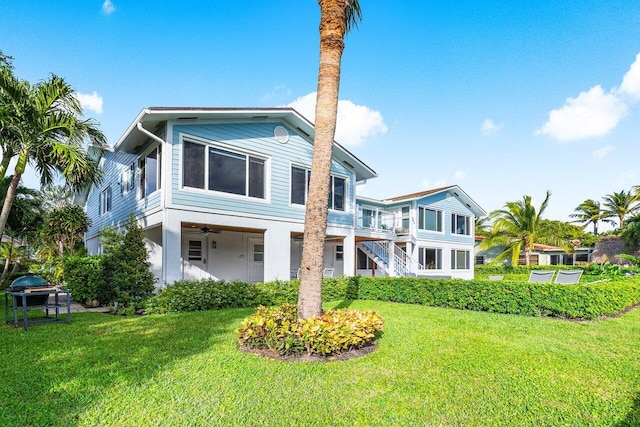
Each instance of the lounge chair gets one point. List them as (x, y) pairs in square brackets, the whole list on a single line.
[(328, 272), (540, 276), (568, 277)]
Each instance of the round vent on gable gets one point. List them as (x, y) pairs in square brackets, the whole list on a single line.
[(281, 134)]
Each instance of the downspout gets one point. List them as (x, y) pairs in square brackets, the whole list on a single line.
[(162, 203)]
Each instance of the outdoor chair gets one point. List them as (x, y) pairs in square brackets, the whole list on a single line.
[(540, 276), (328, 272), (496, 277), (568, 277)]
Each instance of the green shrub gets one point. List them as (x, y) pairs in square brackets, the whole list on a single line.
[(580, 301), (83, 278), (335, 332), (209, 294)]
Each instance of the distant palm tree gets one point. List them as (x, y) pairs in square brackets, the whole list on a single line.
[(515, 228), (337, 17), (619, 205), (40, 125), (590, 212)]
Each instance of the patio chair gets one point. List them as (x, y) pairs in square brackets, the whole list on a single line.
[(328, 272), (568, 277), (540, 276), (496, 277)]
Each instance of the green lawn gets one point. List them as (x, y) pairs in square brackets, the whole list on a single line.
[(433, 367)]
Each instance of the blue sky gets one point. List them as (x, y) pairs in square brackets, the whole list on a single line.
[(503, 100)]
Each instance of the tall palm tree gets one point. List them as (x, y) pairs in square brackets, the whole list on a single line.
[(515, 228), (619, 205), (41, 126), (337, 17), (590, 212)]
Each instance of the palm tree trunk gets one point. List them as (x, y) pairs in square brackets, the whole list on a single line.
[(8, 201), (332, 30), (7, 262)]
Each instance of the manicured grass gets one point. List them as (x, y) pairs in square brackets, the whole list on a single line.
[(433, 366)]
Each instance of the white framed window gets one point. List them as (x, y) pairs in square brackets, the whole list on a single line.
[(195, 250), (150, 172), (480, 260), (430, 258), (460, 224), (127, 178), (300, 178), (219, 169), (339, 252), (429, 219), (405, 217), (460, 259), (105, 201)]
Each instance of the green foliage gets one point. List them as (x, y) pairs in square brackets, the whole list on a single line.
[(209, 294), (335, 332), (83, 277), (126, 268), (631, 232), (580, 301), (64, 227)]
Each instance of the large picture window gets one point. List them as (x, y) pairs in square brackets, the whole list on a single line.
[(460, 224), (429, 219), (300, 179), (225, 171), (150, 172), (460, 259), (430, 258)]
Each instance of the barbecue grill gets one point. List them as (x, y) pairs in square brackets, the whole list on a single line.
[(30, 282)]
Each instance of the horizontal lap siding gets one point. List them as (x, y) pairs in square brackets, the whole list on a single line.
[(254, 138), (121, 204)]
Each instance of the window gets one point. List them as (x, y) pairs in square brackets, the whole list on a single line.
[(480, 260), (371, 218), (429, 219), (460, 224), (339, 252), (225, 171), (459, 260), (195, 250), (150, 172), (258, 252), (430, 258), (405, 217), (127, 179), (105, 201), (300, 179)]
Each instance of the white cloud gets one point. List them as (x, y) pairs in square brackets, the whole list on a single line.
[(631, 81), (108, 8), (355, 122), (91, 101), (592, 113), (426, 184), (459, 175), (603, 152), (489, 127)]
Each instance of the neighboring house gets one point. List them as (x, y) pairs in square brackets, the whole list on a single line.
[(541, 255), (220, 193)]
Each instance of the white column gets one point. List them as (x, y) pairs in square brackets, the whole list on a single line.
[(172, 248), (277, 253), (349, 251)]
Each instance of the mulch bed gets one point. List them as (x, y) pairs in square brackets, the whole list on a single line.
[(348, 355)]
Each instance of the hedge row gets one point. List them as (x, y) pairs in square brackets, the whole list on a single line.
[(581, 301), (520, 269)]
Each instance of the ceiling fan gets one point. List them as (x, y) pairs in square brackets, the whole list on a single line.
[(206, 230)]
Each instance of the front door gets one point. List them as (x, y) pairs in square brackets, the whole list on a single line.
[(194, 258), (256, 260)]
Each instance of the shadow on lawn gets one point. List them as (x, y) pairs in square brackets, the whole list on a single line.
[(633, 417), (60, 371)]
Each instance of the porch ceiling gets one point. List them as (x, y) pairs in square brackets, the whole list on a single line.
[(214, 227)]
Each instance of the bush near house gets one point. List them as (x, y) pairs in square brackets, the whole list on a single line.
[(83, 276), (581, 301)]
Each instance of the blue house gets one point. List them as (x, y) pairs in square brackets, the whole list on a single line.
[(220, 193)]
